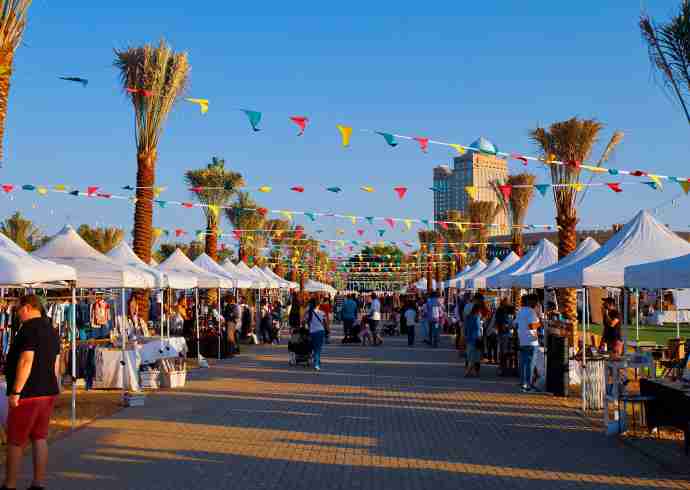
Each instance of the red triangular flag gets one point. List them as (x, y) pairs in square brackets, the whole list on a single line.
[(519, 157), (506, 190), (90, 191), (7, 188), (401, 191), (360, 232), (298, 233), (638, 173), (443, 224), (423, 143), (297, 188), (391, 222), (187, 205), (614, 186), (574, 164), (179, 232), (262, 211), (301, 121), (196, 189), (237, 233)]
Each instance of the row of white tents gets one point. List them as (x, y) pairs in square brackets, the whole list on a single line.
[(67, 257), (644, 254)]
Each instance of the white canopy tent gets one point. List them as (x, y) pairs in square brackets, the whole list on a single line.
[(94, 270), (284, 284), (535, 280), (641, 241), (662, 274), (464, 282), (470, 272), (541, 256), (312, 286), (272, 283), (259, 281), (479, 281), (19, 269), (124, 255), (231, 268), (422, 286), (179, 263), (209, 265)]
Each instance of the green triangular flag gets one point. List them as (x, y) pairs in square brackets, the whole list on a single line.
[(370, 219), (128, 188), (310, 215), (29, 187), (426, 222), (542, 188), (390, 139), (254, 118), (653, 185), (162, 204), (382, 232), (74, 193)]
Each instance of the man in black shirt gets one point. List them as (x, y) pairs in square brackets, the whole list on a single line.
[(32, 387)]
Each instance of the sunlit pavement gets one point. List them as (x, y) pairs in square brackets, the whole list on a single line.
[(388, 417)]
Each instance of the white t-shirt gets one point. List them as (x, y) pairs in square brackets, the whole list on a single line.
[(410, 317), (317, 321), (375, 310), (525, 317)]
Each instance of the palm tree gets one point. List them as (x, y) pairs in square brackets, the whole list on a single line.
[(192, 250), (163, 74), (13, 14), (214, 186), (276, 231), (483, 214), (103, 239), (571, 142), (246, 218), (23, 232), (516, 205), (669, 52), (454, 236)]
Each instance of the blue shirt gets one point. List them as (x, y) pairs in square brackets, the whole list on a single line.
[(349, 311), (472, 328)]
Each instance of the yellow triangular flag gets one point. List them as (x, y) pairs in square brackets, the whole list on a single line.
[(157, 232), (352, 218), (265, 189), (408, 224), (685, 185), (157, 191), (287, 214), (345, 132), (459, 148), (550, 158), (656, 180), (42, 190), (578, 187), (596, 170), (60, 187), (339, 231), (203, 104), (366, 188), (471, 191), (214, 209)]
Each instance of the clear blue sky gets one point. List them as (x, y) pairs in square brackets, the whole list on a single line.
[(494, 68)]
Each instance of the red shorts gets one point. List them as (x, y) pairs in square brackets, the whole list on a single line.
[(29, 420)]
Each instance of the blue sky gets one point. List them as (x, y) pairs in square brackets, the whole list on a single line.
[(493, 68)]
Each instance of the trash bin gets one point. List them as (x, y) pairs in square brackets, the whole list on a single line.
[(557, 372), (595, 382)]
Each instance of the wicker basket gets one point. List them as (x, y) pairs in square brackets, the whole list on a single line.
[(174, 379)]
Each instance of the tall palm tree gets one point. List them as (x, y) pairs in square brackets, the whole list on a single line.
[(214, 186), (103, 239), (246, 218), (570, 141), (454, 236), (23, 232), (669, 52), (163, 74), (482, 214), (13, 14), (516, 205)]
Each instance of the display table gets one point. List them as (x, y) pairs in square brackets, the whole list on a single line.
[(145, 351), (670, 406), (661, 317)]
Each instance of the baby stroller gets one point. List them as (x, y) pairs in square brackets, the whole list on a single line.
[(352, 335), (300, 350)]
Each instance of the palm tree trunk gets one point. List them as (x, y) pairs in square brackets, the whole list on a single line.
[(517, 244), (212, 237), (143, 220), (482, 235), (6, 58), (567, 243)]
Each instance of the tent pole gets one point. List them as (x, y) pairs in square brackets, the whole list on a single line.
[(637, 323), (196, 310), (219, 317), (677, 320), (124, 339), (73, 322), (584, 348)]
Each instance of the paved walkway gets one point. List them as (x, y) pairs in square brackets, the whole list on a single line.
[(375, 418)]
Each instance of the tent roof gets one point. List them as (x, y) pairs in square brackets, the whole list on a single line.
[(179, 263), (468, 271), (312, 286), (476, 269), (19, 268), (670, 273), (94, 270), (640, 241), (285, 284), (422, 286), (234, 271), (535, 280), (260, 281), (479, 281), (209, 265), (272, 283), (124, 255), (543, 255)]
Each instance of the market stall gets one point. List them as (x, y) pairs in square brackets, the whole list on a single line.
[(479, 281), (541, 256), (468, 273)]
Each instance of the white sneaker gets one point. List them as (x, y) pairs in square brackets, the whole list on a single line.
[(317, 368)]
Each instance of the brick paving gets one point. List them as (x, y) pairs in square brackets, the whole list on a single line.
[(386, 417)]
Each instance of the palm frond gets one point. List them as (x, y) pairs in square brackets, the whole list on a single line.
[(13, 15), (217, 184)]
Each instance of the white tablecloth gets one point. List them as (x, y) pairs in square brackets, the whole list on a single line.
[(659, 318), (155, 348), (109, 370)]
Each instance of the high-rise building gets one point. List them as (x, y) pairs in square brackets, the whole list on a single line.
[(476, 168)]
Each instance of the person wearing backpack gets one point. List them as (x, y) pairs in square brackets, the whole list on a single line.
[(434, 314), (316, 322)]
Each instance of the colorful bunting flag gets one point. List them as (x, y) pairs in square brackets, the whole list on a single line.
[(360, 232), (339, 231), (345, 134), (163, 204), (128, 188), (614, 186), (352, 218), (91, 190), (157, 232), (435, 189), (366, 188), (423, 143), (381, 232), (390, 221), (179, 232), (400, 191), (254, 118), (262, 212), (297, 188), (471, 191), (506, 190), (516, 156), (187, 205), (542, 188), (652, 184), (390, 139), (638, 173), (7, 188), (370, 219), (215, 210), (459, 148), (301, 122), (60, 187), (310, 215), (577, 186), (202, 103), (84, 82), (265, 189), (595, 170), (408, 224), (139, 91), (426, 222), (287, 215), (104, 195), (74, 193), (574, 164), (42, 190), (443, 224), (334, 190), (656, 180), (157, 191), (613, 171), (685, 185)]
